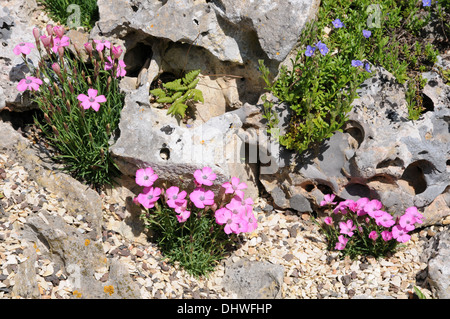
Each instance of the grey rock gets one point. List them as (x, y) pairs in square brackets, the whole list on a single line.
[(227, 28), (254, 279), (15, 27), (80, 259), (174, 157), (300, 203), (78, 198), (437, 255), (26, 285), (380, 153)]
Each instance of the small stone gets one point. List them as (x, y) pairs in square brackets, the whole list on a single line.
[(288, 257), (346, 280)]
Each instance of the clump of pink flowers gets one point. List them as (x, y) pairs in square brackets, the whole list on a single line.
[(362, 227), (234, 211), (195, 227)]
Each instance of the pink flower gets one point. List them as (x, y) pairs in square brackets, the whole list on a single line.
[(175, 198), (219, 215), (60, 43), (250, 220), (149, 196), (347, 228), (373, 205), (101, 44), (400, 234), (205, 176), (47, 41), (234, 187), (414, 213), (385, 220), (59, 31), (360, 203), (29, 83), (386, 235), (202, 198), (328, 200), (328, 220), (116, 51), (236, 207), (23, 48), (91, 100), (233, 223), (373, 235), (183, 213), (342, 206), (407, 221), (145, 177), (120, 72), (342, 243)]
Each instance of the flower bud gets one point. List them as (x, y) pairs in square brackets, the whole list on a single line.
[(68, 106), (71, 88), (55, 131), (108, 129), (88, 48), (57, 90), (56, 68), (116, 51), (89, 81), (66, 127), (61, 54), (47, 41), (47, 119), (59, 31), (36, 34), (108, 82), (49, 29)]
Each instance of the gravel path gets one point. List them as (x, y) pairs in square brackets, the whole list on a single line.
[(282, 238)]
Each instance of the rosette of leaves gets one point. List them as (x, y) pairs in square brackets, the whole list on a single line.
[(179, 93)]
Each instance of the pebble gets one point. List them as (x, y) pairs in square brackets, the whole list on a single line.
[(282, 238)]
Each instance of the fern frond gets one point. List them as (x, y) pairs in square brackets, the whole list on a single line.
[(190, 76), (177, 108), (193, 84), (196, 95), (158, 92), (166, 99), (174, 85)]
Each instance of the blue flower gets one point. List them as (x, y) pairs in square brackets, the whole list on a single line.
[(356, 63), (310, 50), (366, 33), (322, 48), (426, 3), (337, 23), (367, 67)]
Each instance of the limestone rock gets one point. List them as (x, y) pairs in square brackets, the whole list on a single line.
[(149, 137), (15, 27), (437, 255), (380, 153), (227, 29), (254, 279)]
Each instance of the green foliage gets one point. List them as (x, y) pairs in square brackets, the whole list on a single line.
[(419, 293), (179, 93), (197, 244), (414, 98), (57, 10)]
